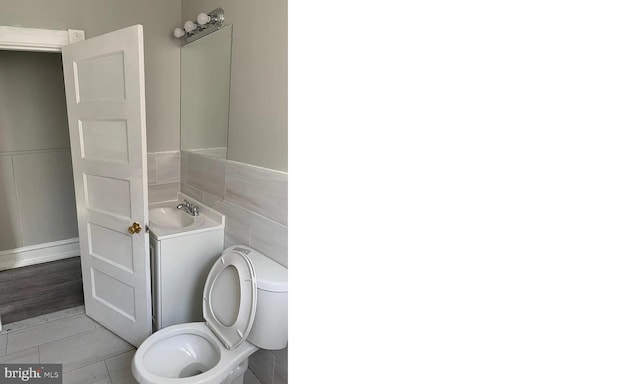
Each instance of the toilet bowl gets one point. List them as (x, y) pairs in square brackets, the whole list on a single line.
[(245, 309), (188, 353)]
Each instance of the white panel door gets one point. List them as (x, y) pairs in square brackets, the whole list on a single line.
[(104, 82)]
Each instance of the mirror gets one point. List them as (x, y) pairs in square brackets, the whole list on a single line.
[(205, 74)]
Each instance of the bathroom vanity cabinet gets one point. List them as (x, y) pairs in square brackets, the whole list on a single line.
[(180, 263)]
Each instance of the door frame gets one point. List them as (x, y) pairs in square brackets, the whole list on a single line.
[(40, 40), (36, 39)]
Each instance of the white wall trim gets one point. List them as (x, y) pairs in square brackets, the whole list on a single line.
[(258, 167), (161, 152), (40, 253), (35, 39), (32, 151)]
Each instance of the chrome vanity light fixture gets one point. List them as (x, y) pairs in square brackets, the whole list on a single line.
[(205, 24)]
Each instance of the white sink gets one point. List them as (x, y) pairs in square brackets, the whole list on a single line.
[(171, 217), (166, 221)]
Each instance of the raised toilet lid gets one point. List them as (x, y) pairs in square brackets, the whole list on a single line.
[(230, 294)]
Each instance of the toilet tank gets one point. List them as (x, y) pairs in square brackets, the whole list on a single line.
[(270, 325)]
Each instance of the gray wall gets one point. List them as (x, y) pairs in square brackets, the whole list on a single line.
[(33, 113), (162, 56), (258, 108)]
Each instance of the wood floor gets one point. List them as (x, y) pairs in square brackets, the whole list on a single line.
[(40, 289)]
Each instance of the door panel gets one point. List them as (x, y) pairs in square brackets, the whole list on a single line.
[(104, 140), (101, 78), (104, 82)]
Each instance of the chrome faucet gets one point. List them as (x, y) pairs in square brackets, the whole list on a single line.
[(189, 208)]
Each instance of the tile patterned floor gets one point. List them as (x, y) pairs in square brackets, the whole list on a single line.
[(89, 353)]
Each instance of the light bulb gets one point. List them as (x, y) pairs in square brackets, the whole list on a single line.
[(189, 26), (203, 18), (178, 32)]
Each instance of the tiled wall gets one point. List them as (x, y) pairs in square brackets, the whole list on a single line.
[(254, 201), (163, 173)]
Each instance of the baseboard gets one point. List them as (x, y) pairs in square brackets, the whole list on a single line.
[(39, 253)]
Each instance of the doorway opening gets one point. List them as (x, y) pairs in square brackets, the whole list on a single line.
[(36, 189), (38, 239)]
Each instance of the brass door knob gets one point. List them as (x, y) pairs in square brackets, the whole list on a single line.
[(135, 228)]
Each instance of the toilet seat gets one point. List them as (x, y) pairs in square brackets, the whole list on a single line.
[(232, 275)]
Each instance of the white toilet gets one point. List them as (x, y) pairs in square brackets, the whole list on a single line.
[(244, 307)]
